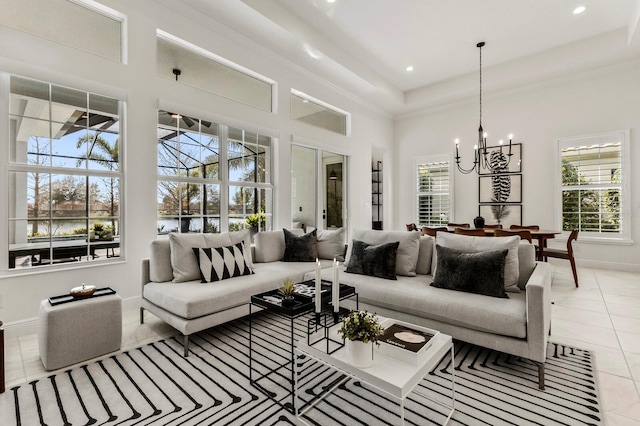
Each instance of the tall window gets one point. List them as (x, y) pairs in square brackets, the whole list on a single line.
[(64, 175), (594, 174), (196, 194), (434, 191)]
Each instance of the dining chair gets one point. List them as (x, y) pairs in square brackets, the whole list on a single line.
[(460, 225), (412, 227), (524, 234), (564, 254), (497, 226), (433, 231), (472, 232), (530, 227)]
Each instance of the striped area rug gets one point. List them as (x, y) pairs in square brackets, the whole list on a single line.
[(155, 385)]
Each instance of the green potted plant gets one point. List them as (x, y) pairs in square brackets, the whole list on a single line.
[(287, 291), (360, 331)]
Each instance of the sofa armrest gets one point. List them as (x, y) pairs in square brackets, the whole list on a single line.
[(539, 311)]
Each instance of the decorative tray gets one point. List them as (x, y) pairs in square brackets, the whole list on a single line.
[(58, 300)]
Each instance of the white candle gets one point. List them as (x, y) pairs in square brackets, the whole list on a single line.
[(318, 288), (335, 288)]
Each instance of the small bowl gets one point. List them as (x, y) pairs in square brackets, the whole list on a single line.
[(83, 290)]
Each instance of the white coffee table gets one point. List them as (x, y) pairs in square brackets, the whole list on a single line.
[(396, 378)]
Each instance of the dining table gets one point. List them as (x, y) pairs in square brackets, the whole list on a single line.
[(541, 235)]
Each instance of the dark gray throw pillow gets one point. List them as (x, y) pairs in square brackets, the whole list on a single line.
[(376, 261), (301, 248), (480, 272)]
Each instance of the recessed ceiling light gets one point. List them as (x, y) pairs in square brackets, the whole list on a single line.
[(331, 1), (409, 68), (578, 10)]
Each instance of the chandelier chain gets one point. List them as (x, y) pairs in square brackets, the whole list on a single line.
[(481, 85)]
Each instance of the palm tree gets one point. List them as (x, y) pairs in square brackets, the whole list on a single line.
[(102, 152)]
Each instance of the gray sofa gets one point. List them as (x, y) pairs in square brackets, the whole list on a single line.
[(519, 325), (171, 291)]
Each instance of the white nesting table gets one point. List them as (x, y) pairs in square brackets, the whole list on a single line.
[(396, 378)]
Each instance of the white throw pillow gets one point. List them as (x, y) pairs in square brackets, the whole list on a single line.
[(407, 255), (526, 262), (331, 244), (469, 244), (270, 245), (183, 262), (425, 254)]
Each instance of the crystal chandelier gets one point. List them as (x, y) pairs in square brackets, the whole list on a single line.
[(483, 158)]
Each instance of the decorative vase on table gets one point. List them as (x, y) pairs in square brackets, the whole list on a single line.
[(360, 353), (360, 331), (478, 222)]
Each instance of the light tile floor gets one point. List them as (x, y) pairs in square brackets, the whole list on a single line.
[(602, 315)]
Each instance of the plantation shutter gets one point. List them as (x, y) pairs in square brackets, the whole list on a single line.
[(434, 193), (591, 185)]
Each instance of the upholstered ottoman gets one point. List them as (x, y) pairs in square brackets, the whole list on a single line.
[(76, 331)]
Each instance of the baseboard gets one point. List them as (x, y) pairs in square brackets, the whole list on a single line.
[(613, 266), (30, 325)]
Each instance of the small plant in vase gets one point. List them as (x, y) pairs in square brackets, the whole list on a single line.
[(287, 291), (360, 331)]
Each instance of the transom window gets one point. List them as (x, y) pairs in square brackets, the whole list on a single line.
[(64, 175), (434, 190), (594, 173), (196, 194)]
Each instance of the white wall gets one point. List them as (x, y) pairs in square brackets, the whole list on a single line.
[(138, 84), (590, 102)]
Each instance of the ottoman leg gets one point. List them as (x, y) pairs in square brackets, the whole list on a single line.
[(185, 343), (141, 315)]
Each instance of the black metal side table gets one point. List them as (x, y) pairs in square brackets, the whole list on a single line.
[(281, 375)]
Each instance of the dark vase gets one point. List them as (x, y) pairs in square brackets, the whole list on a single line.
[(478, 222), (289, 301)]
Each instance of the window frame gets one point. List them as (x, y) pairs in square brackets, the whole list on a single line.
[(11, 167), (438, 158), (223, 179), (624, 236)]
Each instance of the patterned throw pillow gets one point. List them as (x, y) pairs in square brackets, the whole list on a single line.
[(220, 263)]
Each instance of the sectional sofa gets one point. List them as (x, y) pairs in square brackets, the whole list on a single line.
[(518, 324)]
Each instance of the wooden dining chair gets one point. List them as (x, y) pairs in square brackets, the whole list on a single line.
[(472, 232), (529, 227), (412, 227), (497, 226), (459, 225), (564, 254), (524, 234), (433, 231)]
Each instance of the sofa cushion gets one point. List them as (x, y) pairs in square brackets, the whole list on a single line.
[(219, 263), (183, 262), (377, 261), (471, 244), (526, 262), (407, 256), (269, 245), (160, 261), (480, 272), (415, 296), (301, 248), (425, 253), (331, 244)]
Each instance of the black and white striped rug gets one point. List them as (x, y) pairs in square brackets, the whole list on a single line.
[(155, 385)]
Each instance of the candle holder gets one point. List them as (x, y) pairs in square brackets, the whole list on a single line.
[(319, 327)]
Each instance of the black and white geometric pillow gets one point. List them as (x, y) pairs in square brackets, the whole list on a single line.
[(219, 263)]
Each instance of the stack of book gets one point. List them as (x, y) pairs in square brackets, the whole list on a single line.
[(406, 342)]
